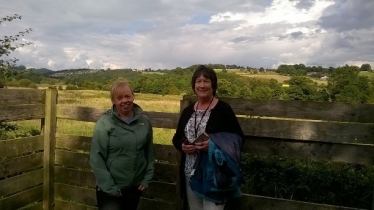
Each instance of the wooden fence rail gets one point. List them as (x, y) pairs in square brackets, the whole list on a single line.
[(52, 171)]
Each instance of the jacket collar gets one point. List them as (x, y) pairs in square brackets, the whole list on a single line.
[(138, 111)]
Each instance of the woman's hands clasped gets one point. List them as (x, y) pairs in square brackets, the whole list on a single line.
[(203, 146), (188, 147)]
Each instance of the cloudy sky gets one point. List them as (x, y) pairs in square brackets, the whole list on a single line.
[(162, 34)]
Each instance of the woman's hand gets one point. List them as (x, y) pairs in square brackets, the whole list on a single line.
[(141, 187), (204, 146), (188, 148)]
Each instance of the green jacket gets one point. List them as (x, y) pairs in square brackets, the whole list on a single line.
[(122, 154)]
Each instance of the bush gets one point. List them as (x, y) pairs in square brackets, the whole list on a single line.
[(5, 129), (60, 87), (32, 85), (322, 182), (2, 83), (71, 87), (24, 82), (12, 84)]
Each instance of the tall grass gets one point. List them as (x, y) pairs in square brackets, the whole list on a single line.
[(276, 76), (100, 99)]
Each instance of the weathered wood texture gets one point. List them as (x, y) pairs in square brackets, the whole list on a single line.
[(327, 111), (159, 190), (346, 153), (22, 199), (21, 112), (75, 177), (14, 147), (163, 172), (307, 130), (21, 182), (253, 202), (158, 119), (64, 205), (87, 197), (72, 159), (75, 143), (34, 206), (21, 96), (16, 165), (84, 198), (49, 131), (276, 128), (144, 204), (78, 194), (82, 143)]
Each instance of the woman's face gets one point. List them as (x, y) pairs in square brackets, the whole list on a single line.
[(123, 99), (203, 87)]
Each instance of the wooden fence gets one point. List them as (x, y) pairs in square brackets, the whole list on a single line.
[(51, 171)]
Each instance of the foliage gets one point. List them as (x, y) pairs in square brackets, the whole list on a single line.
[(365, 67), (9, 44), (290, 70), (24, 82), (71, 87), (345, 85), (10, 131), (311, 181), (305, 89)]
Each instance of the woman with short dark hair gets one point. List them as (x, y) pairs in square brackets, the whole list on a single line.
[(197, 125)]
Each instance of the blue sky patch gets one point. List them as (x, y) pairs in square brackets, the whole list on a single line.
[(200, 19)]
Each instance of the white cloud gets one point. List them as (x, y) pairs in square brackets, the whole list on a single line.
[(166, 34)]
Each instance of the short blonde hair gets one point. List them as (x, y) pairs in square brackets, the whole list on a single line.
[(117, 85)]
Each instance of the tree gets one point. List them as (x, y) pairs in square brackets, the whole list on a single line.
[(365, 67), (301, 88), (9, 44), (345, 85)]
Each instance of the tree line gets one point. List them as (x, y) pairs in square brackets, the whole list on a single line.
[(344, 83)]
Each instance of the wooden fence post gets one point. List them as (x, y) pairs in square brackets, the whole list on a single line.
[(372, 203), (49, 131), (180, 203)]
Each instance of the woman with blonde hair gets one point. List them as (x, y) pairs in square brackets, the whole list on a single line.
[(121, 153)]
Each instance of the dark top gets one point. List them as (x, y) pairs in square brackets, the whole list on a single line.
[(222, 119)]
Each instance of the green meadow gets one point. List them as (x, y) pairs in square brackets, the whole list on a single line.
[(100, 99), (369, 74), (273, 75)]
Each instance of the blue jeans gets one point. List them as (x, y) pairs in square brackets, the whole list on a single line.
[(128, 201)]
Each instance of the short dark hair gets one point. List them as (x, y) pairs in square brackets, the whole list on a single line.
[(207, 72)]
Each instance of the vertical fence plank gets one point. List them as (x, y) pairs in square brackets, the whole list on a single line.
[(180, 203), (49, 130), (372, 203)]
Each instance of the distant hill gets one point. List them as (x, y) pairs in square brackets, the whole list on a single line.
[(41, 71), (35, 71), (68, 72)]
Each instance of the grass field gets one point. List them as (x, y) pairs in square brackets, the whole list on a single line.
[(100, 99), (273, 75), (369, 74), (151, 72)]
